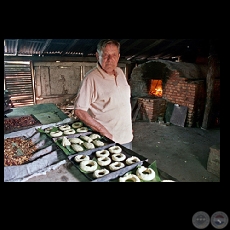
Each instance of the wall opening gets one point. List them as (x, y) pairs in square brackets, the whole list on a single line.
[(155, 88)]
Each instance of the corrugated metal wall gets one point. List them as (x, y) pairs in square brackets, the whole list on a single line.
[(19, 82)]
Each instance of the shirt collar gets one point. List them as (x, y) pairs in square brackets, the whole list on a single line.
[(103, 73)]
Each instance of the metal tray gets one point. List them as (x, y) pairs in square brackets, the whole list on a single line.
[(42, 143), (160, 175), (113, 174), (77, 134), (108, 143), (20, 124), (71, 153)]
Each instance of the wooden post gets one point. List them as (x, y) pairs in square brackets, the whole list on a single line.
[(210, 80), (136, 112)]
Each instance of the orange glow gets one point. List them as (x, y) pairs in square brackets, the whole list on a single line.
[(156, 88)]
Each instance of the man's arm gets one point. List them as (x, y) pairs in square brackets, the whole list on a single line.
[(93, 124)]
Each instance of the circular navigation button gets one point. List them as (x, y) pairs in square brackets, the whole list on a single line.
[(219, 220), (200, 220)]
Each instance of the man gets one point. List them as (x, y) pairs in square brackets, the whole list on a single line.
[(103, 100)]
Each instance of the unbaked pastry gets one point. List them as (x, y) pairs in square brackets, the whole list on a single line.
[(77, 147)]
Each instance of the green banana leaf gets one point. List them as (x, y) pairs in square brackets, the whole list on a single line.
[(67, 149)]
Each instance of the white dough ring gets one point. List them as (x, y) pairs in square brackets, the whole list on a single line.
[(146, 174), (118, 156), (64, 127), (88, 145), (69, 131), (77, 125), (86, 138), (98, 143), (88, 165), (82, 129), (116, 165), (102, 153), (131, 160), (115, 149), (77, 147), (56, 133), (79, 158), (76, 140), (47, 130), (129, 178), (100, 173), (95, 136), (103, 161)]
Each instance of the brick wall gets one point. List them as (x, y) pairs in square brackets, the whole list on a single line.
[(183, 84), (153, 108), (187, 93)]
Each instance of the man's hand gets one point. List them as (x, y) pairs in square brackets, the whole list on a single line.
[(89, 121)]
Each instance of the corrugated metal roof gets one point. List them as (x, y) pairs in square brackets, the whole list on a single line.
[(131, 49)]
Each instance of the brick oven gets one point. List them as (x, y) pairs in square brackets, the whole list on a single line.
[(159, 83)]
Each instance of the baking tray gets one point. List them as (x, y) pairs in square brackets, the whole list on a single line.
[(113, 174), (55, 127), (108, 143), (179, 115), (68, 151), (20, 124), (160, 175), (42, 143)]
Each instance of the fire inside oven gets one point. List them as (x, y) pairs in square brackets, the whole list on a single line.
[(155, 88)]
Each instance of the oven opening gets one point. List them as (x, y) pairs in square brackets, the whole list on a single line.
[(155, 88)]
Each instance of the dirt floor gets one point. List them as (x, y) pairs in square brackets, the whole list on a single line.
[(180, 152)]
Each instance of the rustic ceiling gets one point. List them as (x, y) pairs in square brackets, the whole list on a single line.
[(132, 50)]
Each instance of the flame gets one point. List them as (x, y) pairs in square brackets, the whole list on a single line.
[(156, 88)]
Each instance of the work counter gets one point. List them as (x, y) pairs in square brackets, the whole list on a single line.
[(54, 166)]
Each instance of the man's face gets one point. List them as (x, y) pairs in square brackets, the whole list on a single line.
[(108, 58)]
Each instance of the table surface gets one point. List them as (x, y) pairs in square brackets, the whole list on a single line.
[(50, 113), (46, 113)]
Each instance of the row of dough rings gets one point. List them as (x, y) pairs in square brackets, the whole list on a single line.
[(129, 177), (69, 131), (77, 125), (100, 172), (131, 160), (79, 158), (102, 153), (115, 149), (64, 127), (103, 161), (116, 165), (88, 165), (118, 156), (146, 174), (56, 133)]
